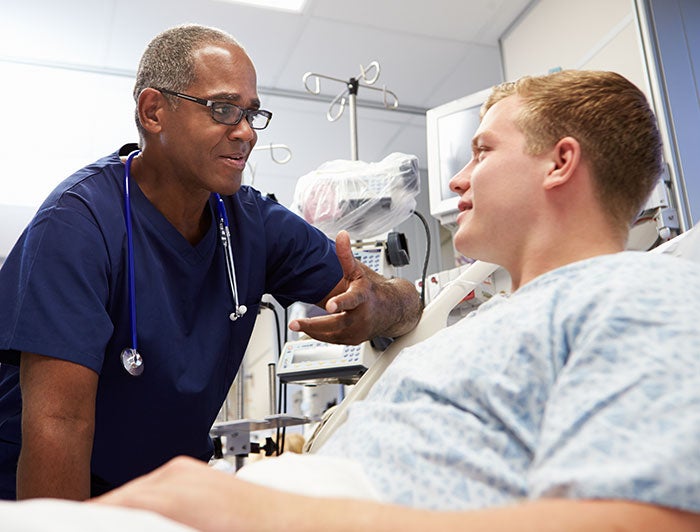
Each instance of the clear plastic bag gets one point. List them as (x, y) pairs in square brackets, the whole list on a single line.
[(365, 199)]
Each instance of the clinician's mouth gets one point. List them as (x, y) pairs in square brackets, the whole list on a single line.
[(235, 161)]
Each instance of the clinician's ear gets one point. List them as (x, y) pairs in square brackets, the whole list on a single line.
[(150, 105), (566, 158)]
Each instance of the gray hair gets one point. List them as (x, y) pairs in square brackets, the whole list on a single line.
[(168, 62)]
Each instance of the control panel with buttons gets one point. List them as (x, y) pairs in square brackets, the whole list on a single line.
[(311, 361)]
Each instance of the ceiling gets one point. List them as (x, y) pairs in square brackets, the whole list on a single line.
[(429, 52)]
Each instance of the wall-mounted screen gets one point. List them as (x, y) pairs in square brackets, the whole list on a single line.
[(450, 128)]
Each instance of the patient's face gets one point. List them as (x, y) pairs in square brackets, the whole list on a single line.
[(500, 188)]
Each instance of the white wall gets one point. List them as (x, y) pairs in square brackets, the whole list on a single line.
[(13, 219), (54, 121), (594, 35), (56, 117)]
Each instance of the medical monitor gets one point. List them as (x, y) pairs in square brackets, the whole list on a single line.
[(450, 128)]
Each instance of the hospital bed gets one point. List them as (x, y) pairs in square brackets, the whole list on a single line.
[(434, 318)]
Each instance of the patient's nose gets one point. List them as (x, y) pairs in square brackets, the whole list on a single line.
[(461, 181)]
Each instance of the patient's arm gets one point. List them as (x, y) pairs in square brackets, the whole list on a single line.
[(190, 492)]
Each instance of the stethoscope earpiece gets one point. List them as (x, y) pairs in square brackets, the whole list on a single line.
[(238, 313), (130, 357)]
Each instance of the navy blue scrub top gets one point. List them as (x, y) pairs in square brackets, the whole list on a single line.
[(63, 294)]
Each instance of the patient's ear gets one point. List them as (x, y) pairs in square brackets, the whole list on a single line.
[(565, 160)]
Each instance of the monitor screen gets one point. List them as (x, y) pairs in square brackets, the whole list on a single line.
[(450, 128)]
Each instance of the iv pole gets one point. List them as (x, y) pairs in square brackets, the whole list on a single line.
[(367, 75)]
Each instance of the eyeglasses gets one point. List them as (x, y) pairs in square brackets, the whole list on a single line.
[(228, 113)]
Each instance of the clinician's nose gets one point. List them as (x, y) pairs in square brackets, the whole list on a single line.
[(242, 131), (461, 182)]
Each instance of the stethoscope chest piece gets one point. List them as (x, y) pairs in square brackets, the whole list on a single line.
[(132, 361)]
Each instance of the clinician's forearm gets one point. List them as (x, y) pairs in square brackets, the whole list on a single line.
[(55, 460), (58, 424)]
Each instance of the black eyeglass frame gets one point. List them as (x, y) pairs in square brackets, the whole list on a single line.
[(249, 114)]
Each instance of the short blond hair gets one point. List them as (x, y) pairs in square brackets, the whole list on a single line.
[(611, 119)]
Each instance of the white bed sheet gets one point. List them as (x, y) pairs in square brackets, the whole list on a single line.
[(40, 515)]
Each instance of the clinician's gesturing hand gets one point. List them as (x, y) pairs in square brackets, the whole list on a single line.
[(363, 305)]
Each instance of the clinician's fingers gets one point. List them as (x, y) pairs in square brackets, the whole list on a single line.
[(344, 251), (317, 325), (354, 272), (336, 328), (353, 297)]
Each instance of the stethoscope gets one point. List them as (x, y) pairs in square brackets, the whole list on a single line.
[(132, 360)]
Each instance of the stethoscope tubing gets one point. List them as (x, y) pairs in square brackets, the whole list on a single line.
[(130, 247), (225, 233), (131, 358)]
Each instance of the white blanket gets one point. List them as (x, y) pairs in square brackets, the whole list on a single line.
[(39, 515), (312, 475)]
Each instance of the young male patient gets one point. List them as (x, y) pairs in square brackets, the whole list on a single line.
[(572, 404)]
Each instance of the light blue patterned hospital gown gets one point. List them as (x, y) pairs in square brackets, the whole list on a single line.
[(585, 383)]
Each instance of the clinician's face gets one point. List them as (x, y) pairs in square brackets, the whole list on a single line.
[(204, 153), (498, 188)]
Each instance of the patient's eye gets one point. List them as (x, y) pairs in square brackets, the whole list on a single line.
[(480, 152)]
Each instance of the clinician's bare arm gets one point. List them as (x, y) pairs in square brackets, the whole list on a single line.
[(197, 495), (58, 424)]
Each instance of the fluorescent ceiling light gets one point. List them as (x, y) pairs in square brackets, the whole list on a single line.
[(284, 5)]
